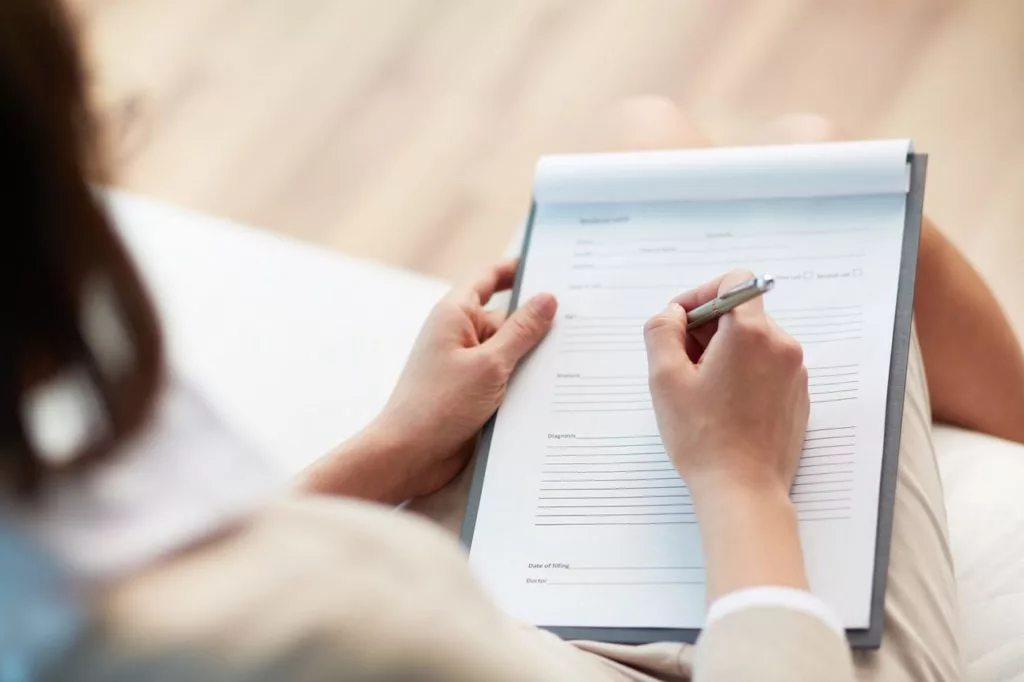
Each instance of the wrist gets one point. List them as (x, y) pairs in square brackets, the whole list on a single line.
[(747, 489), (368, 466), (750, 534)]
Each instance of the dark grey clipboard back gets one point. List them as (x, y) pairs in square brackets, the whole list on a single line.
[(870, 638)]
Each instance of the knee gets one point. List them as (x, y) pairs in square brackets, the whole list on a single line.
[(803, 128), (648, 109), (647, 122)]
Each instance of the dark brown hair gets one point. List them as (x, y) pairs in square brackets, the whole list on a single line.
[(56, 245)]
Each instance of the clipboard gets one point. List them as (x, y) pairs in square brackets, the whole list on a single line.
[(862, 638)]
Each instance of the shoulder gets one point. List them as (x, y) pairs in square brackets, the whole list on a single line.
[(296, 545), (366, 584)]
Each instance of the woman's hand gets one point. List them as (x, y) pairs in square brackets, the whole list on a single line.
[(454, 380), (731, 399), (458, 372), (731, 403)]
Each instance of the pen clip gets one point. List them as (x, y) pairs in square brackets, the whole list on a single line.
[(740, 288), (758, 283)]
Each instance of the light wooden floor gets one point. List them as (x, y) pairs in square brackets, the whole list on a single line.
[(406, 130)]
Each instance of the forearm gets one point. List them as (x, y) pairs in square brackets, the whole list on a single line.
[(750, 537), (368, 466), (972, 358)]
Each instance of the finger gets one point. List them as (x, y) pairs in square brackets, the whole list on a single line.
[(752, 310), (700, 294), (491, 321), (645, 122), (698, 339), (495, 318), (777, 332), (498, 277), (524, 329), (774, 326), (665, 339)]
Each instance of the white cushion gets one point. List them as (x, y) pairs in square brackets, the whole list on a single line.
[(983, 479), (299, 348)]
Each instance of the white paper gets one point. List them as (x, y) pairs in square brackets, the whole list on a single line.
[(583, 521), (726, 173)]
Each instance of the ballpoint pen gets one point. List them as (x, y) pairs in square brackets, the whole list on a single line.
[(727, 300)]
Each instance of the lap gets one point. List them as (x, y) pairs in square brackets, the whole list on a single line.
[(920, 640)]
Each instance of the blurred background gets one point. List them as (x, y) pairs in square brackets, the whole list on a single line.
[(406, 130)]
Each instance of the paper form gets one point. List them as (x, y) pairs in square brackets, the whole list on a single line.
[(583, 521)]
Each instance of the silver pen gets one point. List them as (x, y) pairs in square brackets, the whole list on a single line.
[(727, 300)]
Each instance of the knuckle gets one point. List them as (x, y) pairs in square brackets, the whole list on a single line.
[(802, 374), (777, 347), (656, 324), (790, 350), (788, 356), (751, 330), (734, 277), (796, 352), (740, 274), (522, 326)]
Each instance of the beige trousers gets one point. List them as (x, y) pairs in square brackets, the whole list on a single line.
[(920, 640)]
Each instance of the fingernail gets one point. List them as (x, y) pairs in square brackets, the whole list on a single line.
[(545, 306)]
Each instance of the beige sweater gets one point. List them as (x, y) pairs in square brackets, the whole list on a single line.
[(322, 589)]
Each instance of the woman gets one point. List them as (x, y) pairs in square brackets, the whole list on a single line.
[(139, 542)]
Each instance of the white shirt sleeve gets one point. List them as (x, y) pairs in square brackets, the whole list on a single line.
[(786, 597)]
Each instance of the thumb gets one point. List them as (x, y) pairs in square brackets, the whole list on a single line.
[(524, 328), (665, 337)]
